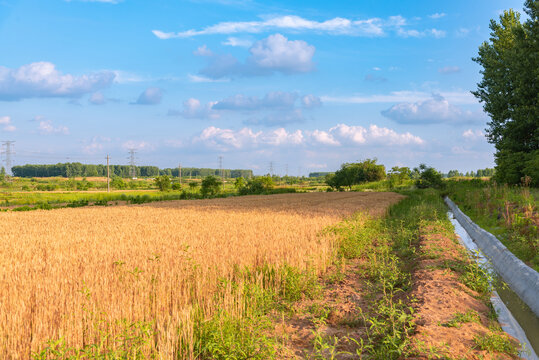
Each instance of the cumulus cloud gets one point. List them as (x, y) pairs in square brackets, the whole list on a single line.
[(370, 27), (473, 134), (46, 127), (437, 109), (41, 79), (341, 135), (150, 96), (449, 70), (194, 109), (270, 55), (311, 101), (274, 108), (5, 121)]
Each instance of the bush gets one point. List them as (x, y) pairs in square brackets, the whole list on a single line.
[(257, 185), (163, 183), (428, 177), (211, 186)]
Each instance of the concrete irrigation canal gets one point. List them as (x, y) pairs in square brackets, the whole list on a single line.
[(516, 294)]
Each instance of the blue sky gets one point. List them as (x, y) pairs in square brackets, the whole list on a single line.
[(306, 85)]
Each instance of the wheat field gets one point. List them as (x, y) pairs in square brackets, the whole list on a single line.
[(77, 274)]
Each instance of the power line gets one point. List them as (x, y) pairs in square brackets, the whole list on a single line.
[(7, 152)]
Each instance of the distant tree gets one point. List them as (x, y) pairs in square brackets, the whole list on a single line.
[(2, 174), (193, 186), (118, 183), (428, 177), (454, 173), (356, 173), (508, 91), (239, 183), (163, 182), (398, 175), (176, 186), (211, 185), (257, 185)]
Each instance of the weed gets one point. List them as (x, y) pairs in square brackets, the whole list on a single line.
[(496, 341), (459, 318)]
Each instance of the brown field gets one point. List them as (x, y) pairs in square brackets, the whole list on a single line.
[(74, 273)]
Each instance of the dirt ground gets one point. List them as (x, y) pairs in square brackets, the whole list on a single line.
[(438, 295)]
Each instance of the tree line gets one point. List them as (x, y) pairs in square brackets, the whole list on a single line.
[(508, 91), (76, 169)]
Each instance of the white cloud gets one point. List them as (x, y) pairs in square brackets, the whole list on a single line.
[(405, 33), (273, 54), (6, 122), (371, 27), (194, 109), (437, 15), (323, 137), (454, 97), (234, 41), (277, 53), (204, 79), (137, 145), (311, 101), (46, 127), (473, 135), (97, 98), (449, 70), (340, 135), (41, 79), (376, 68), (437, 109), (272, 100), (273, 109), (150, 96)]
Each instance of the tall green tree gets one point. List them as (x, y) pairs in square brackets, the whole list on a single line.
[(509, 91)]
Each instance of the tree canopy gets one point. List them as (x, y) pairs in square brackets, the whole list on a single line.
[(356, 173), (509, 91)]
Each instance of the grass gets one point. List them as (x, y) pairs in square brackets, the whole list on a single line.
[(496, 341), (510, 213)]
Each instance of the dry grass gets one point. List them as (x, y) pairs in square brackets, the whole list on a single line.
[(73, 273)]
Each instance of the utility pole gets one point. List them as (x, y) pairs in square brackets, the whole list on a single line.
[(180, 172), (132, 166), (8, 151), (221, 171), (108, 174)]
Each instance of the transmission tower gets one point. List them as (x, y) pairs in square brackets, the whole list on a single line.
[(132, 165), (271, 168), (7, 151)]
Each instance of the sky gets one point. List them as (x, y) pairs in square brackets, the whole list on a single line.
[(304, 86)]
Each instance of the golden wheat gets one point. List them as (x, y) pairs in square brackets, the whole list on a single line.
[(64, 271)]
